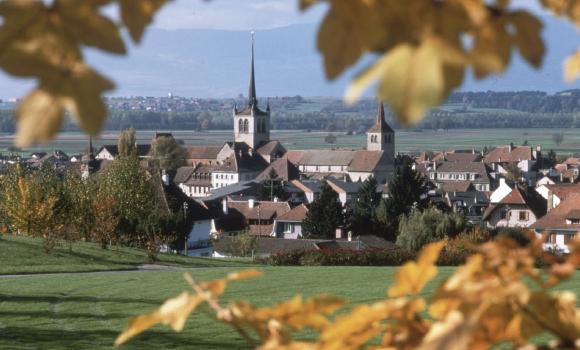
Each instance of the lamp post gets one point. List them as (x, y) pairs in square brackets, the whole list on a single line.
[(185, 207)]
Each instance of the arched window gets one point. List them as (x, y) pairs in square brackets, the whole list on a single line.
[(240, 126), (264, 128), (246, 126)]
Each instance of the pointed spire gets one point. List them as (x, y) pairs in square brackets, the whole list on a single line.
[(252, 99), (380, 123), (268, 105), (91, 152)]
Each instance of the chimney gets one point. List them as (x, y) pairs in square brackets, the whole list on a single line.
[(225, 206), (550, 200), (251, 203), (511, 146), (501, 181)]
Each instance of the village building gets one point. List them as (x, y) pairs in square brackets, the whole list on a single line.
[(561, 224), (520, 208), (289, 224), (477, 173), (525, 158)]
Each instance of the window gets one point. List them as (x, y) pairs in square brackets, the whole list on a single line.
[(523, 215), (240, 125), (246, 126), (503, 215)]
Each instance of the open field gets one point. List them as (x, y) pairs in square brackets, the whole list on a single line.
[(88, 311), (406, 141), (21, 255)]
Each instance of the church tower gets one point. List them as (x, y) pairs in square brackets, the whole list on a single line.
[(252, 125), (381, 137)]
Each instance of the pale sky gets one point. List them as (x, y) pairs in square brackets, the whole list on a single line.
[(235, 14)]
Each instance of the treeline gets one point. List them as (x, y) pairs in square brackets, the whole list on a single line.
[(121, 205), (526, 101)]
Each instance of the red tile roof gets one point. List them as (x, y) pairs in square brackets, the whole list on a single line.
[(504, 155), (556, 218), (298, 214)]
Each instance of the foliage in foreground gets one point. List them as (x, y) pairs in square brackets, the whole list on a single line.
[(484, 303)]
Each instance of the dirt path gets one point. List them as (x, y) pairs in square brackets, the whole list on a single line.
[(139, 268)]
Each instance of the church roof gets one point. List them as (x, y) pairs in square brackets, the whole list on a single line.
[(283, 168), (380, 124)]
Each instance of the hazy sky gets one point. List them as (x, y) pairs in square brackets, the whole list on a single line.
[(235, 14), (246, 15)]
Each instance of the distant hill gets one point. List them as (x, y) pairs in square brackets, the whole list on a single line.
[(213, 63)]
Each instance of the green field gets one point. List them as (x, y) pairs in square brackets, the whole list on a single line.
[(88, 310), (406, 141), (21, 255)]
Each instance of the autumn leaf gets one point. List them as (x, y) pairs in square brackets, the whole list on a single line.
[(411, 78), (413, 276), (137, 14), (343, 37), (174, 312), (452, 333), (572, 67), (91, 28), (40, 116), (528, 38)]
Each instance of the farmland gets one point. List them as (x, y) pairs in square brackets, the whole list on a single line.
[(406, 141)]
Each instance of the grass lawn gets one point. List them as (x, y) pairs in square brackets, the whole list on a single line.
[(21, 255), (88, 311)]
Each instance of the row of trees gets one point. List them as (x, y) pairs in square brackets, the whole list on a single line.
[(123, 204), (403, 217)]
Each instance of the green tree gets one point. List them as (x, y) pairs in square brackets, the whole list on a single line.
[(324, 216), (79, 196), (363, 211), (128, 185), (166, 153), (127, 143), (407, 190), (430, 225)]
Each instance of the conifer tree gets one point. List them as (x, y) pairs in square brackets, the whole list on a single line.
[(325, 215), (363, 213)]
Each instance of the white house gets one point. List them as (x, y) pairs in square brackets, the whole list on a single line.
[(520, 209)]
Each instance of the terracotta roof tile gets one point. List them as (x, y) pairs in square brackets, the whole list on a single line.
[(556, 218)]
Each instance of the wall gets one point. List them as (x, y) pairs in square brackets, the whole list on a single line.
[(512, 220)]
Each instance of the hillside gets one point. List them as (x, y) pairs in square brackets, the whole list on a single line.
[(23, 255)]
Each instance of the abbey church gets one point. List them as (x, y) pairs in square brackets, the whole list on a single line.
[(252, 154)]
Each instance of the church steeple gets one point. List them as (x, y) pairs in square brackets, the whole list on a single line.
[(380, 136), (252, 125), (252, 98)]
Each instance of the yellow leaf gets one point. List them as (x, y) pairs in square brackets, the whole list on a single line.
[(137, 14), (413, 276), (174, 312), (343, 37), (572, 67), (82, 19), (528, 38), (81, 93), (411, 80), (491, 51), (452, 333), (39, 117), (236, 276)]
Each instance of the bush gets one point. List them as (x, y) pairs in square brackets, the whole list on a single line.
[(341, 257)]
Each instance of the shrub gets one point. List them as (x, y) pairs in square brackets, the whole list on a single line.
[(341, 257)]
